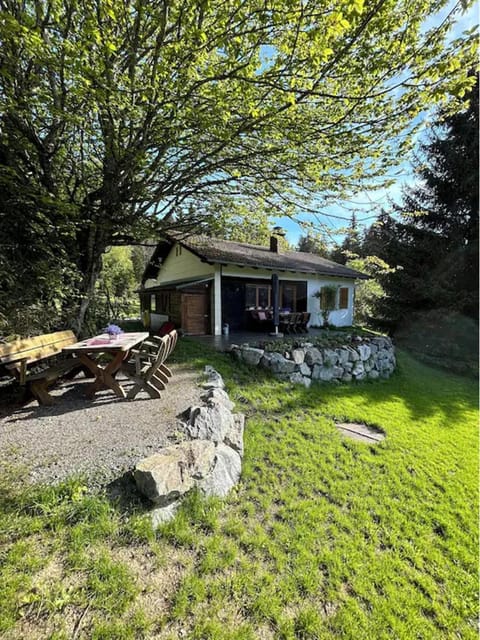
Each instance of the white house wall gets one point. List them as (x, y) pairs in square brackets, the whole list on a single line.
[(339, 317), (184, 266)]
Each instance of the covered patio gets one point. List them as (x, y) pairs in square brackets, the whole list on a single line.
[(223, 343)]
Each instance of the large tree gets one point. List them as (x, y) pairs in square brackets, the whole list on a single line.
[(123, 115)]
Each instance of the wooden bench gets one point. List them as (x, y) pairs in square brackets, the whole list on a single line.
[(20, 355)]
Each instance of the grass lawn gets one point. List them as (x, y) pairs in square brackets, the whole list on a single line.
[(323, 538)]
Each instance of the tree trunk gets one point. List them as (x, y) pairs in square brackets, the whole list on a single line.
[(90, 265)]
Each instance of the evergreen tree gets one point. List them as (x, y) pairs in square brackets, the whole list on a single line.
[(351, 246), (435, 242)]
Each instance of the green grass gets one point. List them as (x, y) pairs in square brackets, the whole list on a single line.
[(323, 538)]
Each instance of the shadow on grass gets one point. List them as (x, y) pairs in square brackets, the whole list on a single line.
[(422, 390)]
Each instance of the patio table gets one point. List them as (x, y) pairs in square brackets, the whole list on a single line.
[(119, 347)]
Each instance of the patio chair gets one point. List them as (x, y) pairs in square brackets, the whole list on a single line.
[(287, 322), (305, 319), (147, 368)]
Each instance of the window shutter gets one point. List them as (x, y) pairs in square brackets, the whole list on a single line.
[(343, 303)]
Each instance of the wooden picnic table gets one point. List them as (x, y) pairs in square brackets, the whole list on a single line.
[(119, 347)]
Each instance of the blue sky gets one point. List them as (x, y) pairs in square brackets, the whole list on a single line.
[(367, 204)]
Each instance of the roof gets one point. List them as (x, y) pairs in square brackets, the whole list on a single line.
[(228, 252)]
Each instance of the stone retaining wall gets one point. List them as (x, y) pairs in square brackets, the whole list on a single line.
[(359, 359)]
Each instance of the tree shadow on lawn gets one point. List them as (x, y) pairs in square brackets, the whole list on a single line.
[(415, 391), (423, 391)]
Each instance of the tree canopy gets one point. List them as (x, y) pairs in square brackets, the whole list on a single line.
[(119, 119)]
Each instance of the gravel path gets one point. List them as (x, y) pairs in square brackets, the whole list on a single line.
[(100, 438)]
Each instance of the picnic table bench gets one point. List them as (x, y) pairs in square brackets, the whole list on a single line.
[(20, 357)]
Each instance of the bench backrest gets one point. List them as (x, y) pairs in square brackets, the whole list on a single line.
[(37, 348)]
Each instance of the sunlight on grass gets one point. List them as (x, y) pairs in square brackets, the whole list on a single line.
[(323, 538)]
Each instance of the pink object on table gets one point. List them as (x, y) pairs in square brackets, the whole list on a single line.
[(94, 341)]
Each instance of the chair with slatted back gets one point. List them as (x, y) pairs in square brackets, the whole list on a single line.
[(304, 321), (145, 367), (154, 342)]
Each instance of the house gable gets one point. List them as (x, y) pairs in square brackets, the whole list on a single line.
[(180, 265)]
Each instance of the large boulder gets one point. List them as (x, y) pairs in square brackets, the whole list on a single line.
[(225, 472), (166, 476), (211, 422)]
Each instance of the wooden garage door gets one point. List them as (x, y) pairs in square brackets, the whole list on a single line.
[(196, 313)]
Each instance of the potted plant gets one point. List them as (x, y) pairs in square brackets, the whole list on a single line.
[(327, 295)]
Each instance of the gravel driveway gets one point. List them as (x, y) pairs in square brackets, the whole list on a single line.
[(100, 438)]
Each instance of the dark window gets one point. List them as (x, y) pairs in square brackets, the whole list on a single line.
[(289, 297), (257, 295), (250, 296), (263, 297)]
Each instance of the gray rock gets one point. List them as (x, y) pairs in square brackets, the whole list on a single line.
[(279, 364), (342, 356), (346, 377), (313, 356), (210, 422), (169, 474), (348, 366), (325, 374), (224, 474), (330, 357), (373, 348), (353, 356), (214, 380), (297, 378), (358, 369), (266, 360), (298, 356), (252, 356), (161, 515), (305, 370), (215, 395), (373, 374), (234, 437), (338, 372), (364, 351)]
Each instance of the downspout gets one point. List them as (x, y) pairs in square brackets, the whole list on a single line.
[(217, 301)]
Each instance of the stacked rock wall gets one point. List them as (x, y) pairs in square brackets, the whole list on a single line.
[(209, 460), (363, 358)]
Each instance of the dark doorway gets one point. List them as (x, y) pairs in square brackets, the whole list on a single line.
[(233, 303)]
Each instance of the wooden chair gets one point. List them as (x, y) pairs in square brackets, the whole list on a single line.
[(304, 321), (147, 367)]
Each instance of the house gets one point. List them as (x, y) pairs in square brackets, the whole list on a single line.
[(201, 283)]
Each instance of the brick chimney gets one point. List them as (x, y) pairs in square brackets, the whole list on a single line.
[(274, 244), (276, 231)]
